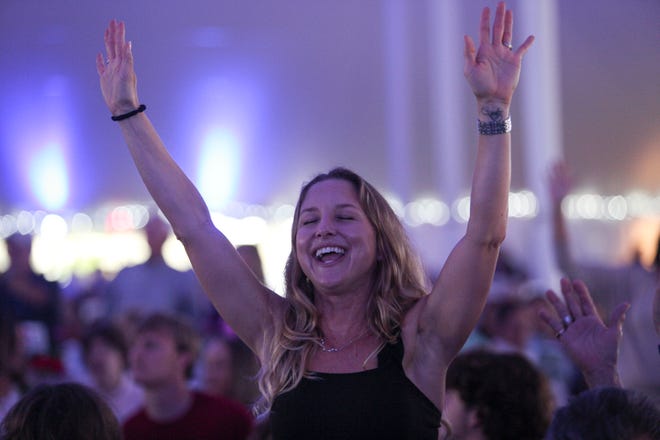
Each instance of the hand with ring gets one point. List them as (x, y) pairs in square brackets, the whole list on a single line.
[(590, 344)]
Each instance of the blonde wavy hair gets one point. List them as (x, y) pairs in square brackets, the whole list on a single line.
[(398, 282)]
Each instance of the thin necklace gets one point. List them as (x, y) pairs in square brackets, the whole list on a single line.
[(338, 349)]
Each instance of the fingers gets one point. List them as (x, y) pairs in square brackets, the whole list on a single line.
[(114, 39), (484, 27), (129, 53), (555, 324), (560, 308), (586, 302), (100, 65), (618, 316), (522, 50), (507, 35), (470, 53), (571, 298), (498, 24), (502, 34), (107, 38), (120, 38)]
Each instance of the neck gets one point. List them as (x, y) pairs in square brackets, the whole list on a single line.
[(168, 402), (342, 317), (156, 257)]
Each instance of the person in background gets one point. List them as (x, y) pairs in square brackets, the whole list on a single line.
[(357, 300), (154, 286), (105, 352), (496, 396), (30, 298), (12, 385), (509, 322), (64, 411), (162, 359), (606, 411), (632, 283), (216, 367)]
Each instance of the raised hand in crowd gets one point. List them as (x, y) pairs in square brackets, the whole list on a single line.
[(591, 344)]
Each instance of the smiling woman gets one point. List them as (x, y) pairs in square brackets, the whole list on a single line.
[(359, 346)]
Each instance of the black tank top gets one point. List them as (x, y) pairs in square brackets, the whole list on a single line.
[(379, 404)]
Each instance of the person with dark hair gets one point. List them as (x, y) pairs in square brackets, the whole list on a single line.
[(64, 411), (606, 411), (493, 396), (105, 352), (360, 345), (30, 298), (226, 368), (162, 359)]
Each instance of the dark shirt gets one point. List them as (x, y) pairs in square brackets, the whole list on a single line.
[(22, 310), (375, 404)]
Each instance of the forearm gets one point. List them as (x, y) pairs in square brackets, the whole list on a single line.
[(560, 240), (491, 179), (170, 188)]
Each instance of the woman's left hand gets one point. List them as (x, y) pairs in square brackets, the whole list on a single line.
[(494, 69)]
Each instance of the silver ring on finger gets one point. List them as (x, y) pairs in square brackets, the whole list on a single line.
[(507, 44), (567, 320)]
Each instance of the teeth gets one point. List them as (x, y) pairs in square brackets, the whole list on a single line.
[(329, 249)]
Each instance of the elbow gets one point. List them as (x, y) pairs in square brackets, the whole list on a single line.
[(494, 242), (488, 237), (188, 232)]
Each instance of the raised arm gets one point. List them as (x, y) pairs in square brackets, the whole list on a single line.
[(591, 345), (239, 297), (559, 184), (452, 309)]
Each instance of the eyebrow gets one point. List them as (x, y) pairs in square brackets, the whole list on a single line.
[(340, 206)]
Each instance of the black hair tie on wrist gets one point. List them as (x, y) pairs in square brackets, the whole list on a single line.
[(140, 109)]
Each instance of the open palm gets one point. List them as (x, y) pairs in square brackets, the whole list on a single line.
[(493, 70), (116, 73)]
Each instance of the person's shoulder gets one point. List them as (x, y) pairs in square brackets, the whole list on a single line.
[(208, 399), (125, 272), (136, 419), (224, 407)]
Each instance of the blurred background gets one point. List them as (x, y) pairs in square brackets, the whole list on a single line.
[(255, 97)]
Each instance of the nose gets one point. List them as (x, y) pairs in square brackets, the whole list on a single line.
[(325, 228)]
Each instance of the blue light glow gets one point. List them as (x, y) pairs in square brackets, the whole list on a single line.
[(48, 177), (222, 132), (218, 166)]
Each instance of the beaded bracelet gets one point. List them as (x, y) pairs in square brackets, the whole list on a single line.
[(140, 109), (494, 127)]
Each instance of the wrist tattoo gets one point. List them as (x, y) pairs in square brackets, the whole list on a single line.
[(494, 114)]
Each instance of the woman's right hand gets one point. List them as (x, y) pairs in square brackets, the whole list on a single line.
[(116, 72)]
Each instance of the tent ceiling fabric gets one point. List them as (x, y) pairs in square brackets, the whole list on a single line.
[(287, 88)]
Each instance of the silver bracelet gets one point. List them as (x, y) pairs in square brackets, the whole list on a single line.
[(494, 127)]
